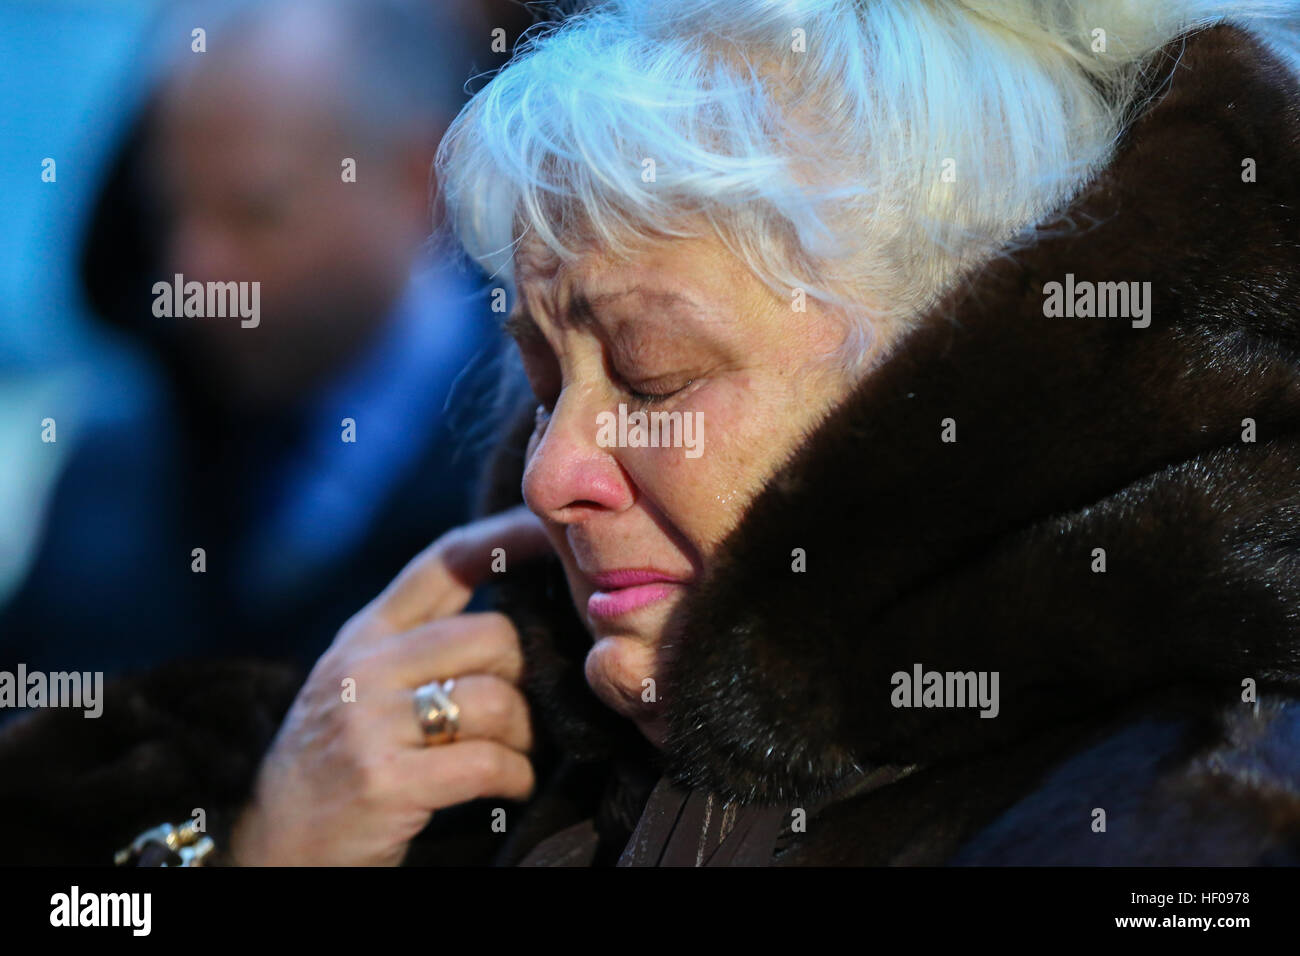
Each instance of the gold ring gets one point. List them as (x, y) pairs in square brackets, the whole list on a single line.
[(437, 713)]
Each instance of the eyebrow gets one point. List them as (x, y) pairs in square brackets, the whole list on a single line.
[(582, 310)]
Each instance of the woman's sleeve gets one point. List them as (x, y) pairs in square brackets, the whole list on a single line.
[(177, 744)]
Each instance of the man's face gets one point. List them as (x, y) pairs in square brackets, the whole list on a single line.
[(248, 169)]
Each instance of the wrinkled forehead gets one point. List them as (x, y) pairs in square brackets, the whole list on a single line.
[(535, 261), (549, 283), (544, 274)]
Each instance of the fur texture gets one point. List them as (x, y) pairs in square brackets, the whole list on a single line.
[(1072, 434)]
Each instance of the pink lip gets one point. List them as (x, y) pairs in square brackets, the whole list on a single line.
[(628, 589)]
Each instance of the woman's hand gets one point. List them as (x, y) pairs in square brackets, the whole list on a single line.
[(350, 782)]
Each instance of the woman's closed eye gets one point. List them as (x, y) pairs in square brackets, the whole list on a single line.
[(655, 391)]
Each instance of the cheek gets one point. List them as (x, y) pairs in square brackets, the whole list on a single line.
[(704, 496), (752, 421)]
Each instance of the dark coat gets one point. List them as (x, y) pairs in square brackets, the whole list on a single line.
[(1120, 690)]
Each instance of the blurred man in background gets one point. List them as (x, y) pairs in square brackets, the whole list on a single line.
[(297, 462)]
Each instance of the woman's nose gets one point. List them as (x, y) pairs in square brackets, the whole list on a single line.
[(569, 476)]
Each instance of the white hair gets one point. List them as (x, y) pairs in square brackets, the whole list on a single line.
[(868, 152)]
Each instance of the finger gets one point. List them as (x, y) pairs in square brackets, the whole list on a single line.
[(440, 580), (490, 709), (453, 773), (484, 642)]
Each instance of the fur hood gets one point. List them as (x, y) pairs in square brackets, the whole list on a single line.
[(1117, 519), (1170, 450)]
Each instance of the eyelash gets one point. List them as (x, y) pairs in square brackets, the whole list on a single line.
[(655, 398), (644, 399)]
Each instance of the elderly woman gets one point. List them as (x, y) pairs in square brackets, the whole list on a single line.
[(911, 472)]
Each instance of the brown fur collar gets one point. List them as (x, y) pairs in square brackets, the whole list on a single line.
[(1072, 434)]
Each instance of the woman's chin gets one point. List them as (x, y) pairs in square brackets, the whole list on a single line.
[(622, 671), (655, 731)]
